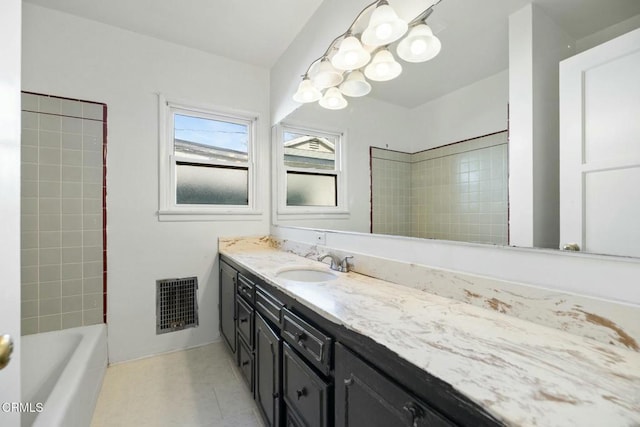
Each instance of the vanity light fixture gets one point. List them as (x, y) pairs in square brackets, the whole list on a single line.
[(307, 92), (352, 53), (385, 26), (420, 44), (324, 75), (383, 67), (333, 99), (355, 85)]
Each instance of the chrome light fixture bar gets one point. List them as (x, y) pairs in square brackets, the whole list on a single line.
[(339, 71)]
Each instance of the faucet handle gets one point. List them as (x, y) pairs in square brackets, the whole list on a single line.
[(344, 264)]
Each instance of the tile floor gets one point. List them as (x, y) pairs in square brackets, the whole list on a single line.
[(198, 387)]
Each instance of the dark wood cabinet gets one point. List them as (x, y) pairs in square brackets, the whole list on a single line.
[(367, 398), (305, 393), (268, 384), (312, 343), (305, 371), (245, 359), (227, 305), (245, 315), (246, 288)]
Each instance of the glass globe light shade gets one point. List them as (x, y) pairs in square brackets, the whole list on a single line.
[(420, 45), (333, 99), (383, 67), (351, 55), (355, 85), (384, 27), (307, 92), (324, 75)]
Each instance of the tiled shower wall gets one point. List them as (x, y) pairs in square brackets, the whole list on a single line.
[(391, 192), (458, 192), (63, 217)]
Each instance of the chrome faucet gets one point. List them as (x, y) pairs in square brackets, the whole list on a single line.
[(336, 263)]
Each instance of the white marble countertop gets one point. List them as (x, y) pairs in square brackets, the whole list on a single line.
[(522, 373)]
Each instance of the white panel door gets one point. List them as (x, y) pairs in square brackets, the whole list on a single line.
[(10, 33), (600, 148)]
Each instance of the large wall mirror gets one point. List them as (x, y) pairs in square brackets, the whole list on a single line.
[(427, 155)]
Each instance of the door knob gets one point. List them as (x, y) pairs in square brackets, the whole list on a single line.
[(571, 247), (6, 348)]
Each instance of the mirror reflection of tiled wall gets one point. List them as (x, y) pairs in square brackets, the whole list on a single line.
[(455, 192), (62, 247)]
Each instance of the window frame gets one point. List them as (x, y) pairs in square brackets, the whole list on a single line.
[(169, 209), (282, 210)]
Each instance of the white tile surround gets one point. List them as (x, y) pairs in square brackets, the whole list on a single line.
[(523, 373)]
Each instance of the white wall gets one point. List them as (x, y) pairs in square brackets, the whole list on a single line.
[(607, 34), (536, 46), (366, 122), (10, 24), (471, 111), (73, 57)]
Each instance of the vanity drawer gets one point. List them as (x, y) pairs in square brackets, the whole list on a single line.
[(268, 305), (245, 321), (305, 393), (312, 343), (245, 357), (246, 288)]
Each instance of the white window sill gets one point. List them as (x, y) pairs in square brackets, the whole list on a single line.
[(218, 215), (311, 214)]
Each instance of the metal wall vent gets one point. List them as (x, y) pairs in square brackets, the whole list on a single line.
[(176, 304)]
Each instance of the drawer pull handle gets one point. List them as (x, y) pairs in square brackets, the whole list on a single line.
[(348, 381), (301, 393), (243, 319), (245, 363), (412, 413), (300, 337)]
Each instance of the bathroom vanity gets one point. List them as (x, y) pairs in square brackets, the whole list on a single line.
[(355, 351)]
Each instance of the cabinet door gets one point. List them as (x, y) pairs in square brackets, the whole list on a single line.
[(227, 305), (268, 381), (245, 357), (245, 313), (366, 398), (304, 392)]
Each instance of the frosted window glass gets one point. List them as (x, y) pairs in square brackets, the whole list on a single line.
[(309, 151), (211, 185), (207, 139), (304, 189)]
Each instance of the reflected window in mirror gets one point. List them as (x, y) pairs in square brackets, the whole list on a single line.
[(310, 176)]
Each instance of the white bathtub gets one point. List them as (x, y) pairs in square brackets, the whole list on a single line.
[(63, 371)]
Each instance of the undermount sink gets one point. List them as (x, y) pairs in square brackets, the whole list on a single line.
[(305, 274)]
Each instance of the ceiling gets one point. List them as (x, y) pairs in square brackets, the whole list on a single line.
[(474, 38), (474, 34), (252, 31)]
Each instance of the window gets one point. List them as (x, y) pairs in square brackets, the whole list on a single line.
[(310, 178), (206, 162)]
